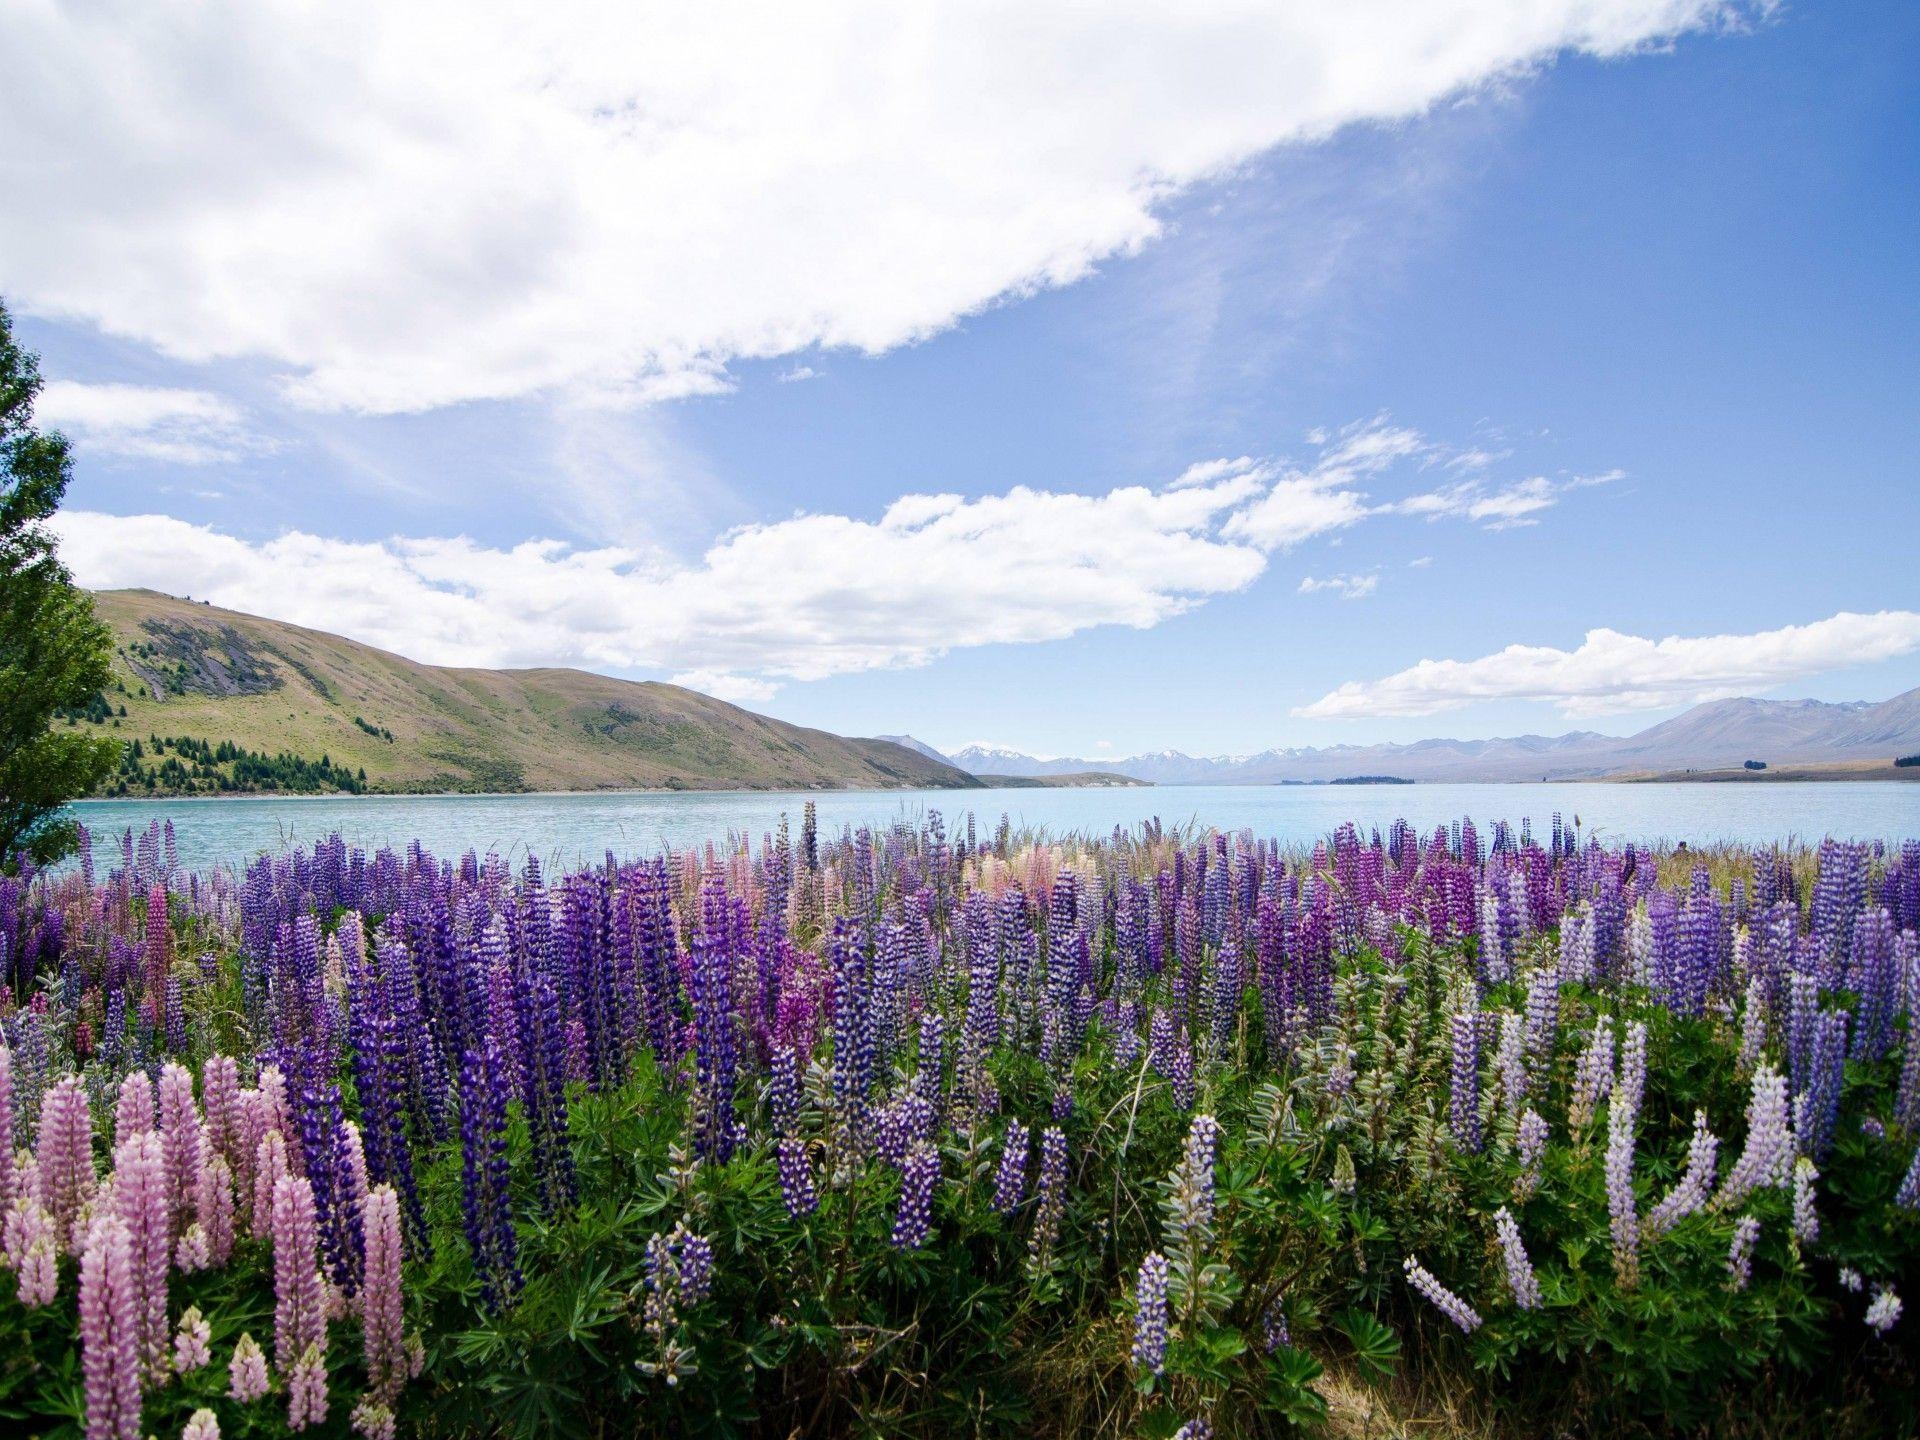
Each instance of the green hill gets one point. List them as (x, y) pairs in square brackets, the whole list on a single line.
[(240, 704)]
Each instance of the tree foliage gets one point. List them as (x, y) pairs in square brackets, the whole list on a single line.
[(54, 653)]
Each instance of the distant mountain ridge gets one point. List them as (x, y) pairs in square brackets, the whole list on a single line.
[(1717, 735), (290, 697)]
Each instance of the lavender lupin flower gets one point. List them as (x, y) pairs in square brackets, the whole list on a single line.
[(1513, 1253), (1049, 1197), (1463, 1106), (382, 1317), (1806, 1215), (1884, 1312), (1530, 1144), (1746, 1234), (1695, 1186), (192, 1341), (1194, 1430), (1442, 1299), (203, 1424)]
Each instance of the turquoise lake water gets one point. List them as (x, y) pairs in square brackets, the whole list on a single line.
[(570, 828)]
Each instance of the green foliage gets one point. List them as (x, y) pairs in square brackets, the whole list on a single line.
[(53, 652)]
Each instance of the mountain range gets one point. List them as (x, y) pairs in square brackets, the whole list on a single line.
[(1720, 736)]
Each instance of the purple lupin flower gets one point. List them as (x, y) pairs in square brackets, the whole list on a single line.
[(110, 1333), (918, 1175), (181, 1144), (1530, 1144), (1150, 1315), (1884, 1311), (1623, 1113), (484, 1175), (1010, 1178), (1767, 1158), (1442, 1299), (796, 1177), (1049, 1197)]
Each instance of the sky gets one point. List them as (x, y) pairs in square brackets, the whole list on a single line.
[(1083, 380)]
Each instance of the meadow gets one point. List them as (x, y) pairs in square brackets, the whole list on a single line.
[(910, 1133)]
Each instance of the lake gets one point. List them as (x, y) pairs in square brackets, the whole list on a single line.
[(570, 828)]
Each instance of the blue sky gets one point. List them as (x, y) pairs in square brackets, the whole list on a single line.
[(1608, 328)]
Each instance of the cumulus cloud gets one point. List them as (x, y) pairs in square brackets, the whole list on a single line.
[(1347, 587), (1610, 672), (146, 422), (407, 206), (797, 599)]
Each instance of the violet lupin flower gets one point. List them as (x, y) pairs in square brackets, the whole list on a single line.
[(914, 1218), (1746, 1234), (796, 1177), (1010, 1178), (1442, 1299), (1194, 1430), (1150, 1315), (1513, 1254), (110, 1363)]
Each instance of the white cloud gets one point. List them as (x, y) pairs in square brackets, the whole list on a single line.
[(146, 422), (734, 689), (1420, 562), (406, 206), (1347, 587), (801, 598), (796, 374), (1610, 672), (1323, 497)]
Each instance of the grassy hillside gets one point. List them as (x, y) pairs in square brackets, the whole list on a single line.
[(263, 704)]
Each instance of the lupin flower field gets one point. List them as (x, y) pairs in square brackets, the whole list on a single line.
[(918, 1133)]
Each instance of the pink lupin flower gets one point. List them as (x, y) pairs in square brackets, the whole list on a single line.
[(6, 1127), (247, 1372), (215, 1206), (278, 1114), (192, 1342), (300, 1301), (180, 1136), (109, 1333), (140, 1202), (307, 1390), (270, 1163), (133, 1110), (33, 1251), (65, 1157), (382, 1318), (220, 1096), (201, 1425)]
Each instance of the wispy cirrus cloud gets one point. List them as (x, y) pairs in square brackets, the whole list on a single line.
[(1347, 587), (1609, 672)]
